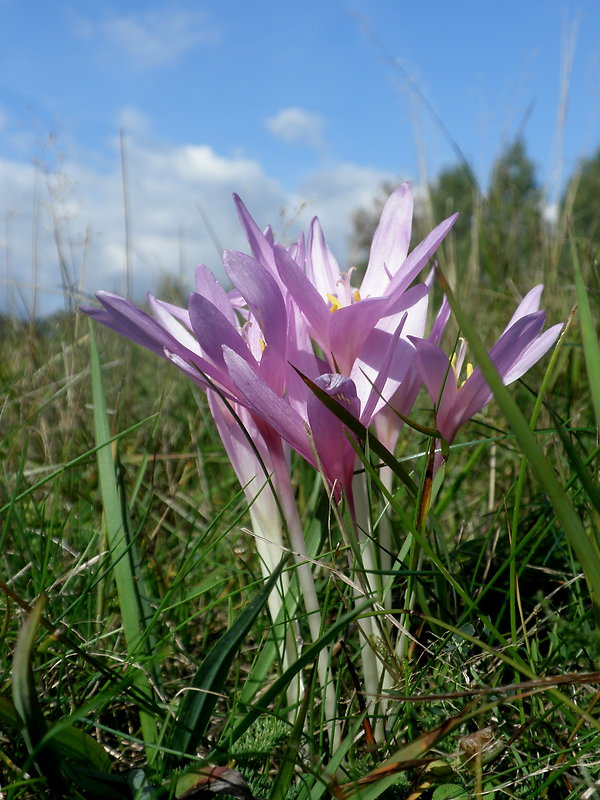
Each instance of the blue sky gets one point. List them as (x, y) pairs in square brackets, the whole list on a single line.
[(301, 108)]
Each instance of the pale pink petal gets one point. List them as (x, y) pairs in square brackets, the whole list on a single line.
[(419, 257), (307, 298), (256, 395), (390, 242), (528, 305), (321, 267), (534, 352)]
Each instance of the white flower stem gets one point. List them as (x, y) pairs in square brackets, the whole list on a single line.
[(373, 669), (310, 599)]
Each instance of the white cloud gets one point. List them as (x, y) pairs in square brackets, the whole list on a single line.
[(85, 206), (337, 191), (167, 185), (153, 38), (297, 126)]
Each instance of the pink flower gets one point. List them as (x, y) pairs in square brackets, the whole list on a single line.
[(520, 346), (248, 343)]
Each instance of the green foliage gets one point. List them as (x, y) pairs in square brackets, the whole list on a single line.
[(512, 228), (501, 235), (581, 201), (118, 505), (455, 189), (194, 716)]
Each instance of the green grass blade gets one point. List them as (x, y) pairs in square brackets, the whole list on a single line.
[(308, 656), (323, 782), (283, 782), (124, 562), (51, 476), (24, 696), (257, 676), (589, 334), (26, 701), (582, 467), (198, 703), (584, 548)]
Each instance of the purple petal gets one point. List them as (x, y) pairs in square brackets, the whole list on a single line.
[(390, 242), (254, 393), (440, 322), (350, 326), (210, 288), (214, 330), (300, 354), (260, 244), (382, 368), (516, 340), (336, 454), (262, 295), (197, 368), (321, 267), (176, 321), (127, 319), (534, 352), (507, 354), (241, 453), (307, 298), (439, 378), (435, 370), (387, 423), (528, 305), (419, 257)]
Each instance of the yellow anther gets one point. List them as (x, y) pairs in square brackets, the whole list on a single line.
[(356, 296), (263, 344), (469, 372), (335, 303)]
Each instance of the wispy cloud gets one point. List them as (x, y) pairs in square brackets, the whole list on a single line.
[(298, 126), (153, 38), (82, 204)]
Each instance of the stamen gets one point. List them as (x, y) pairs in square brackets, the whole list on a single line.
[(335, 303), (469, 371)]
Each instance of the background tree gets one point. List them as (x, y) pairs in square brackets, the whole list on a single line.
[(455, 189), (584, 197), (512, 224)]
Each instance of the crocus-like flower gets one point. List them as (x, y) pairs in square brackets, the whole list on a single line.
[(520, 346), (247, 363), (246, 343), (358, 329), (388, 423)]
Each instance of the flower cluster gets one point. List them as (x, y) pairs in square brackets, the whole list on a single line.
[(292, 310)]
